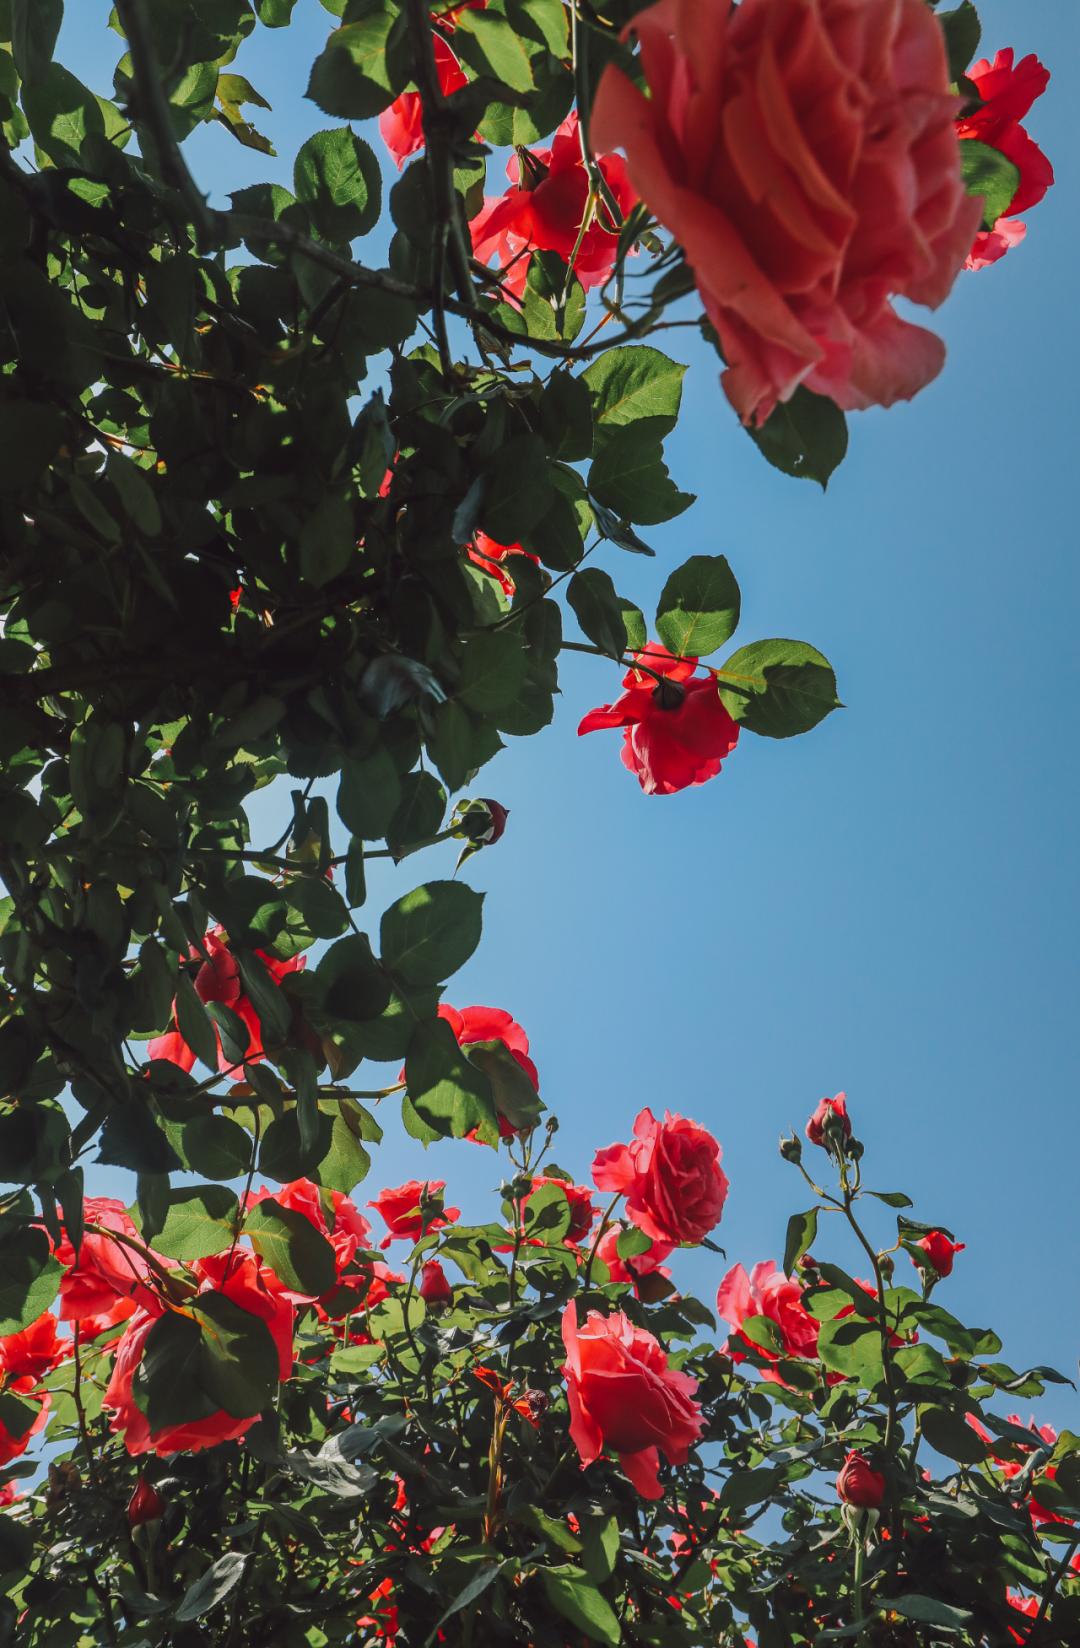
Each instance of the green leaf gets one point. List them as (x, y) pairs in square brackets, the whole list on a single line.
[(616, 626), (35, 25), (369, 794), (763, 1332), (275, 14), (629, 476), (481, 1581), (194, 1022), (989, 173), (929, 1611), (852, 1347), (962, 31), (631, 1242), (212, 1587), (353, 78), (805, 436), (328, 537), (337, 178), (200, 1220), (29, 1278), (551, 1528), (30, 436), (699, 607), (238, 1362), (62, 113), (491, 45), (215, 1147), (449, 1094), (299, 1255), (635, 382), (492, 671), (778, 688), (948, 1433), (801, 1231), (566, 416), (353, 984), (419, 813), (271, 1007), (514, 1094), (573, 1594), (431, 932), (132, 1138), (601, 1546)]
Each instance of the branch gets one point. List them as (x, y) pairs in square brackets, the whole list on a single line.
[(152, 110)]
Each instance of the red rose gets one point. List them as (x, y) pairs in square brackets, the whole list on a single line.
[(434, 1288), (145, 1504), (108, 1269), (485, 553), (412, 1210), (241, 1278), (544, 209), (348, 1233), (768, 1292), (826, 1110), (1007, 94), (939, 1253), (677, 730), (218, 979), (15, 1443), (473, 1024), (803, 153), (582, 1211), (623, 1396), (34, 1351), (401, 126), (858, 1484), (638, 1265), (670, 1175)]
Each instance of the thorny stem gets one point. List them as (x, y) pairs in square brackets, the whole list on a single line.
[(603, 1225)]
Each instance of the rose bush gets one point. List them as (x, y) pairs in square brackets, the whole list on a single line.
[(291, 534)]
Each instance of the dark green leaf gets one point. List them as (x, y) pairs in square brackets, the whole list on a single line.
[(353, 78), (431, 932), (337, 178), (801, 1231), (948, 1432), (212, 1587), (629, 476), (29, 1278), (699, 607), (615, 625), (778, 688), (962, 31), (448, 1093), (635, 382), (199, 1220), (806, 437), (573, 1594), (299, 1255)]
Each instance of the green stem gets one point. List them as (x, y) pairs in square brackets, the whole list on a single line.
[(857, 1582)]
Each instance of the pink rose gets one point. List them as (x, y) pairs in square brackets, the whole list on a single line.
[(624, 1396), (768, 1292), (803, 152), (858, 1484), (1007, 93), (834, 1110), (670, 1175)]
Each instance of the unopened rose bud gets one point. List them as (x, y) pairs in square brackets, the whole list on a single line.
[(829, 1125), (859, 1484), (145, 1504), (791, 1148), (538, 1403), (434, 1289)]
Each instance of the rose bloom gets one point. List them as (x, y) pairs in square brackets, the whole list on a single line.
[(145, 1504), (34, 1351), (249, 1284), (544, 208), (677, 730), (670, 1175), (858, 1484), (401, 126), (434, 1288), (623, 1396), (349, 1233), (218, 979), (473, 1024), (107, 1271), (582, 1212), (400, 1207), (815, 1127), (803, 152), (939, 1253), (768, 1292), (639, 1265), (491, 557), (1007, 93)]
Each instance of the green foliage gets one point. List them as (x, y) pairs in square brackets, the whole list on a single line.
[(988, 172), (805, 436)]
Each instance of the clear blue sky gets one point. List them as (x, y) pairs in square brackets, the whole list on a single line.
[(888, 906)]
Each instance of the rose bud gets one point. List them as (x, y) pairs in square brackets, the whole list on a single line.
[(859, 1484), (435, 1290), (791, 1148), (145, 1504), (830, 1122), (938, 1253)]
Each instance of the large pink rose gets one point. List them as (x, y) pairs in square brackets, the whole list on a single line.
[(803, 152), (624, 1396), (671, 1177), (768, 1292)]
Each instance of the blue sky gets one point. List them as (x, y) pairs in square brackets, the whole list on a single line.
[(887, 906)]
